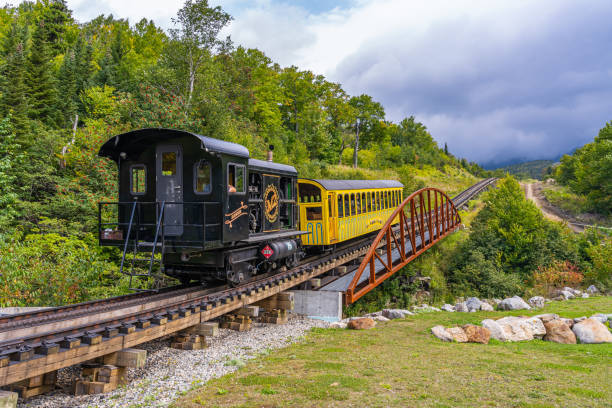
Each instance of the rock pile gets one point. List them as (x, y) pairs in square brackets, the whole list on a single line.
[(549, 327)]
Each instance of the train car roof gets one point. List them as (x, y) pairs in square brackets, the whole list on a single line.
[(262, 165), (138, 140), (357, 184)]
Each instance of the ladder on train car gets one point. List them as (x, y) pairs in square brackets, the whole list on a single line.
[(138, 248)]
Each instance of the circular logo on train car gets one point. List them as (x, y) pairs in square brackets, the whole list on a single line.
[(271, 203)]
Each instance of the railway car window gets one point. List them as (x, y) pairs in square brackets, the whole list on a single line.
[(340, 208), (370, 201), (358, 205), (363, 202), (168, 163), (202, 177), (347, 209), (385, 201), (309, 193), (376, 201), (138, 180), (235, 178), (352, 204), (314, 213)]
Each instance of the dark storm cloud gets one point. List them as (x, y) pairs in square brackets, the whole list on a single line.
[(494, 91)]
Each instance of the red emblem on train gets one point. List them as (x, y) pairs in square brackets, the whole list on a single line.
[(267, 252)]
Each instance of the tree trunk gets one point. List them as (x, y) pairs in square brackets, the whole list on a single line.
[(65, 148), (341, 150), (356, 144)]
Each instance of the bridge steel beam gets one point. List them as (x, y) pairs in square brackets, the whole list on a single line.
[(423, 221)]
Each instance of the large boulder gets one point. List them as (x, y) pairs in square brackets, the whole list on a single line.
[(601, 317), (569, 322), (573, 291), (441, 333), (579, 319), (485, 307), (473, 304), (537, 327), (461, 307), (477, 334), (396, 313), (536, 301), (361, 323), (495, 329), (448, 308), (592, 331), (559, 332), (380, 318), (585, 295), (457, 334), (513, 303), (516, 328), (338, 325), (546, 317), (592, 290), (564, 295)]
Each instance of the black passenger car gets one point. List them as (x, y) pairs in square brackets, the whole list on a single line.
[(208, 209)]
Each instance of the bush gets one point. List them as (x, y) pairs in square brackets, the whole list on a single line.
[(51, 270), (510, 239), (547, 279)]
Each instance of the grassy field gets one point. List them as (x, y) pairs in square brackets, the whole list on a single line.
[(400, 364)]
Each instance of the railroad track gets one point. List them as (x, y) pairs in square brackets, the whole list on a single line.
[(466, 195), (38, 342)]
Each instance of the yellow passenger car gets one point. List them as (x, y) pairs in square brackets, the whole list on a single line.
[(333, 211)]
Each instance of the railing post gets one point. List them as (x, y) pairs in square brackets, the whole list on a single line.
[(437, 211), (402, 234), (412, 227), (422, 226), (429, 216), (372, 270), (448, 217), (389, 257)]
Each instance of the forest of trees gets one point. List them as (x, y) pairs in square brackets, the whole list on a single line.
[(588, 171), (67, 86)]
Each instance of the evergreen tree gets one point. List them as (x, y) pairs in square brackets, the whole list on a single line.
[(40, 80), (68, 87), (14, 89), (56, 17)]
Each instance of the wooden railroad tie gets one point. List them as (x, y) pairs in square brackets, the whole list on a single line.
[(97, 379), (274, 316), (236, 322), (186, 341), (33, 386), (207, 329), (282, 300)]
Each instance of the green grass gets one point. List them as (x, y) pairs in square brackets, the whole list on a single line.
[(562, 197), (401, 364)]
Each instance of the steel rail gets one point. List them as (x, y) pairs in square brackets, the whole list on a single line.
[(43, 347)]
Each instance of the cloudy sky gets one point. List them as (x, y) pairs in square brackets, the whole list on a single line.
[(496, 80)]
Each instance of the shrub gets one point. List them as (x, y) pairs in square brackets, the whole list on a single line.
[(51, 270), (510, 239), (547, 279)]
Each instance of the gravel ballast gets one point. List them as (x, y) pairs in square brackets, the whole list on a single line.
[(170, 372)]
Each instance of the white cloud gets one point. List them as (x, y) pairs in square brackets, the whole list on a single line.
[(160, 11), (495, 79)]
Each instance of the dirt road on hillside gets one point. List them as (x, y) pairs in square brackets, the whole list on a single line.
[(533, 193)]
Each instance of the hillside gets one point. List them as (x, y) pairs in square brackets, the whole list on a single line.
[(534, 169), (67, 86)]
